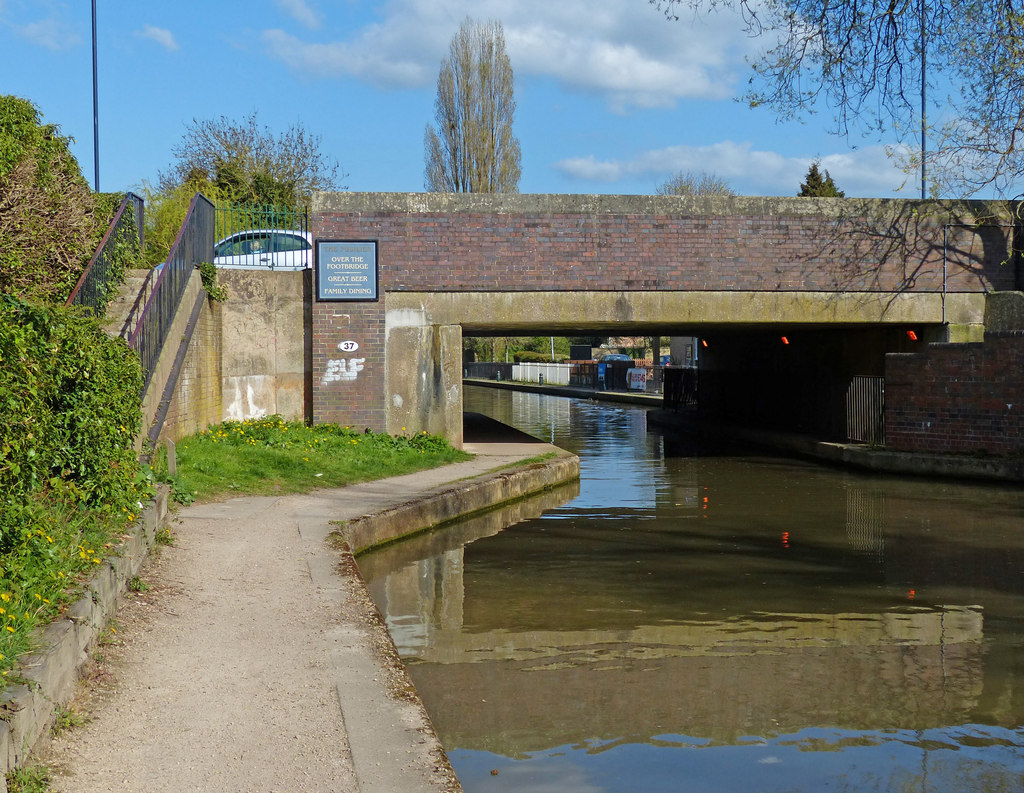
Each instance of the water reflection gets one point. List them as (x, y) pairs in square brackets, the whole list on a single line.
[(704, 619)]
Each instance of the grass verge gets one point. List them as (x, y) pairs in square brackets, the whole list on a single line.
[(269, 456), (44, 567)]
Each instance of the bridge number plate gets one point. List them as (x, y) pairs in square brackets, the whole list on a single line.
[(346, 270)]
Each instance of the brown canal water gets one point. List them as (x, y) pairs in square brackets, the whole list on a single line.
[(691, 618)]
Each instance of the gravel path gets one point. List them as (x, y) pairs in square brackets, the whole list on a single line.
[(230, 671)]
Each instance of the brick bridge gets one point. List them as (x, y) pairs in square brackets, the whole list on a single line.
[(843, 279)]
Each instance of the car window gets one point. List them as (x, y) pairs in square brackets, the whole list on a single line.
[(290, 242), (230, 247)]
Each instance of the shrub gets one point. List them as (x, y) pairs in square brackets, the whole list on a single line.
[(50, 221), (527, 356), (70, 399)]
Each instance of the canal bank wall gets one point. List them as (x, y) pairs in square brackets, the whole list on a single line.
[(869, 458), (390, 743)]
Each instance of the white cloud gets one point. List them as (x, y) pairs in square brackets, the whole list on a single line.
[(864, 172), (622, 50), (300, 11), (52, 33), (337, 58), (161, 36)]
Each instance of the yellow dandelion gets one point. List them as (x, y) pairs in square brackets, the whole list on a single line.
[(10, 629)]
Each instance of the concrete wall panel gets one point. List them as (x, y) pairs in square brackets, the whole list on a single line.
[(265, 363)]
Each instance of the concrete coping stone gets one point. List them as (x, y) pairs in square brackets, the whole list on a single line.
[(836, 209)]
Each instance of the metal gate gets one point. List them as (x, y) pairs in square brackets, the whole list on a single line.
[(865, 410)]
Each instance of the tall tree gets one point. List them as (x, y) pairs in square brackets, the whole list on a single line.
[(247, 162), (870, 61), (817, 186), (690, 183), (473, 148)]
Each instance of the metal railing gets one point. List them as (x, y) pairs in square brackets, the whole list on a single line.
[(232, 218), (103, 273), (680, 387), (865, 410), (150, 318), (484, 370)]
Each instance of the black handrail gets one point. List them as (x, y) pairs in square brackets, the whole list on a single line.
[(149, 321), (94, 284)]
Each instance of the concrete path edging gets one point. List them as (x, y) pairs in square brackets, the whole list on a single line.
[(27, 710), (457, 501)]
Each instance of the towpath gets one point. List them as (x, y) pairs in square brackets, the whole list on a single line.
[(254, 661)]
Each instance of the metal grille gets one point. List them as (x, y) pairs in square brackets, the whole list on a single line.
[(680, 387), (865, 410), (96, 284)]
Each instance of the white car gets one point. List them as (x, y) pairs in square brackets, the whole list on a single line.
[(265, 249)]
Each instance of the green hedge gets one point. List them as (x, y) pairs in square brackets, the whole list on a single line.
[(69, 397), (50, 221)]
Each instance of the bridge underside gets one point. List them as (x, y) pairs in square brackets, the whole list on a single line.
[(840, 333)]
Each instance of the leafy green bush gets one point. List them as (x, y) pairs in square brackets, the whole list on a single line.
[(50, 221), (528, 356), (70, 396), (165, 212), (208, 272)]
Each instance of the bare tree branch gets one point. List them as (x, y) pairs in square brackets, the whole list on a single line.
[(861, 60)]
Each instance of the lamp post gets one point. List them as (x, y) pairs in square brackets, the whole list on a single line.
[(95, 107), (924, 95)]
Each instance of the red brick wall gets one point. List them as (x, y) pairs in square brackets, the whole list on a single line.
[(961, 398), (348, 387), (468, 251)]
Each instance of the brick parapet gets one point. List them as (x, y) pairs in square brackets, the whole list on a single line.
[(471, 249)]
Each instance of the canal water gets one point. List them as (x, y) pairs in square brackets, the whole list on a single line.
[(696, 618)]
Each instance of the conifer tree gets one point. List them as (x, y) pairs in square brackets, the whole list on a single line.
[(818, 186)]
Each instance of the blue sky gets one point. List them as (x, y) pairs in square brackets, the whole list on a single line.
[(612, 97)]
